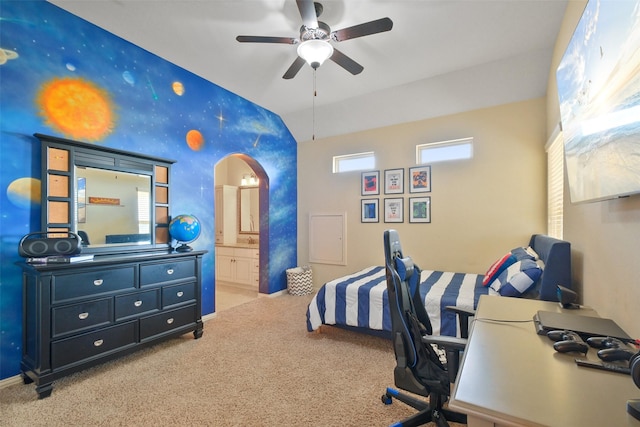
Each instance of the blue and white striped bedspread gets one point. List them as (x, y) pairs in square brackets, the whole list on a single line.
[(360, 300)]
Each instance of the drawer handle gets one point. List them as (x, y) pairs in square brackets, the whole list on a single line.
[(97, 282), (83, 316), (180, 294), (98, 343), (170, 271), (170, 321), (137, 303)]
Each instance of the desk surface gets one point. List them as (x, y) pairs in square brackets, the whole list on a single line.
[(512, 376)]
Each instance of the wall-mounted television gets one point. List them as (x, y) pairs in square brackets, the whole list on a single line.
[(599, 93)]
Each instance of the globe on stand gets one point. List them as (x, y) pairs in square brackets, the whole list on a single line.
[(184, 229)]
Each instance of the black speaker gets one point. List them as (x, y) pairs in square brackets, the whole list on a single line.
[(34, 245)]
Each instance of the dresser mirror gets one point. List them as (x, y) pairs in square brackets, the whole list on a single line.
[(121, 218), (117, 201), (249, 210)]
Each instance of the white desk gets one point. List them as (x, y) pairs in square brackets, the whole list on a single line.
[(511, 376)]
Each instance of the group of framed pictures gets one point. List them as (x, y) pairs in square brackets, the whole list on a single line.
[(393, 183)]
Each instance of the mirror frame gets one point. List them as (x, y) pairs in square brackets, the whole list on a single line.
[(240, 230), (60, 157)]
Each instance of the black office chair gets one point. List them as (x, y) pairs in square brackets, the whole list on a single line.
[(419, 369)]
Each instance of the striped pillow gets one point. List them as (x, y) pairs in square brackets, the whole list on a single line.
[(517, 278), (498, 267), (525, 253)]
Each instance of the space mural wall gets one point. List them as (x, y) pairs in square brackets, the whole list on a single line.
[(62, 76)]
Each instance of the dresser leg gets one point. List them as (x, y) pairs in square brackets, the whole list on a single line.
[(197, 333), (26, 379), (44, 390)]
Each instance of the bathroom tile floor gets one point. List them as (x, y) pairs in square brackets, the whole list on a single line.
[(230, 296)]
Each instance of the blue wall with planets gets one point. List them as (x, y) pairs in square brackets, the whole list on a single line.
[(63, 76)]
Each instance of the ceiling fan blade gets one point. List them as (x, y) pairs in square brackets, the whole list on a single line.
[(373, 27), (294, 68), (308, 13), (345, 62), (261, 39)]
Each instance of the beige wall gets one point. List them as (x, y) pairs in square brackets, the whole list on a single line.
[(481, 208), (604, 236)]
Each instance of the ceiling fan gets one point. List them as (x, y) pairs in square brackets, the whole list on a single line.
[(314, 45)]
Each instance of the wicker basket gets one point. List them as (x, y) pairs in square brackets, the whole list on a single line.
[(300, 280)]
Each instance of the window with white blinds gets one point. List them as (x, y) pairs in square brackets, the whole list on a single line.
[(555, 185), (144, 214)]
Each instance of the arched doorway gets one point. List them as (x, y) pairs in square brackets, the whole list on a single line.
[(241, 230)]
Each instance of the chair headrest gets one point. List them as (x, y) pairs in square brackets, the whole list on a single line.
[(404, 267)]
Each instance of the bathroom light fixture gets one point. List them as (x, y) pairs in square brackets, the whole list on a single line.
[(315, 52), (249, 180)]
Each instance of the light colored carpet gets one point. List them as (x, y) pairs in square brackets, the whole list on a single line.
[(256, 365)]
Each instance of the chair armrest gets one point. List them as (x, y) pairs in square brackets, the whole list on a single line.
[(463, 318), (453, 343)]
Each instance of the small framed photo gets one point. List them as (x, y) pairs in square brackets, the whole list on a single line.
[(420, 209), (369, 210), (394, 181), (370, 183), (420, 179), (393, 210)]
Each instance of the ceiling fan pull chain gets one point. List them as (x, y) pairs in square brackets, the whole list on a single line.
[(315, 93)]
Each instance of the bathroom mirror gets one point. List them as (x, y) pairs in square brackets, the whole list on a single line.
[(249, 210)]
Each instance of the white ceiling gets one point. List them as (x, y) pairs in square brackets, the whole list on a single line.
[(441, 57)]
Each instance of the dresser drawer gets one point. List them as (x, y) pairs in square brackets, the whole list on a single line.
[(166, 321), (80, 317), (89, 283), (86, 346), (151, 274), (132, 305), (178, 294)]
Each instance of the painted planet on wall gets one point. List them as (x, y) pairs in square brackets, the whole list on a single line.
[(129, 78), (195, 140), (178, 88), (6, 55), (23, 192)]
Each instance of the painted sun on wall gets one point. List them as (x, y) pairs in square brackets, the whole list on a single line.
[(77, 107)]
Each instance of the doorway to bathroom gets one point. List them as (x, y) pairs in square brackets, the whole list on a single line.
[(237, 201)]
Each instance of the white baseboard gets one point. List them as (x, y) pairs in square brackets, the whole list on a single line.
[(208, 317), (17, 379), (273, 295)]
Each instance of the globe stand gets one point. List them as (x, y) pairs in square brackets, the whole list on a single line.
[(184, 248)]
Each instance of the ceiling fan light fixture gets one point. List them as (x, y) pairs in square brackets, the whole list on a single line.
[(315, 52)]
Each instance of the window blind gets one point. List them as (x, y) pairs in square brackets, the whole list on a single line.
[(555, 185)]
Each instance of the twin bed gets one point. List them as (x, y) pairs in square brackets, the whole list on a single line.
[(359, 300)]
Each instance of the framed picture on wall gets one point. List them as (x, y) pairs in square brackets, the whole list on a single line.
[(394, 181), (369, 210), (370, 185), (420, 179), (393, 210), (420, 209)]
